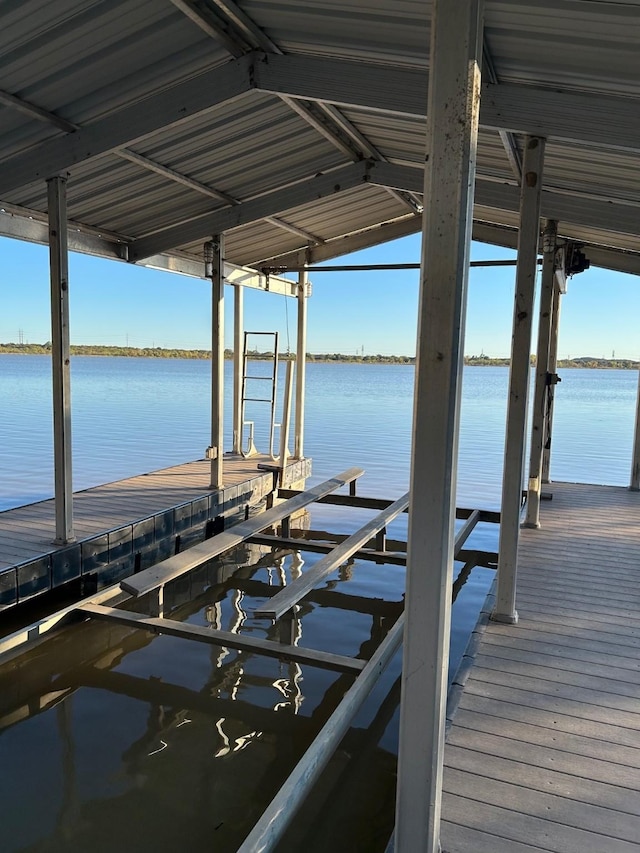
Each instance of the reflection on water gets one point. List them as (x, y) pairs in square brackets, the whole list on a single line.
[(122, 740)]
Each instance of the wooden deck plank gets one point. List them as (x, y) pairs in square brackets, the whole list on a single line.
[(582, 702), (544, 749), (608, 679), (562, 752), (517, 826), (550, 716), (573, 649), (465, 840), (585, 790), (561, 810)]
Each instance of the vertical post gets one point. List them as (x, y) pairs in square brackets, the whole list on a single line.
[(60, 358), (301, 365), (542, 373), (635, 464), (238, 332), (528, 235), (214, 269), (553, 368), (286, 419), (452, 127)]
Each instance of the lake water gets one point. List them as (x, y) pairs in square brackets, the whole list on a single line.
[(116, 740)]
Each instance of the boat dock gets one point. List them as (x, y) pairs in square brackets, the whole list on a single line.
[(544, 748), (130, 524)]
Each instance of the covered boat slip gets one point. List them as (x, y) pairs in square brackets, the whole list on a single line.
[(207, 137), (544, 749)]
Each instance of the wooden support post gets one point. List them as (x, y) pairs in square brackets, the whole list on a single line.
[(301, 365), (526, 270), (60, 358), (635, 464), (214, 263), (452, 127), (551, 391), (542, 374), (238, 337)]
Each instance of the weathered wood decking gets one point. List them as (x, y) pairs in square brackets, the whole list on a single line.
[(114, 521), (544, 750)]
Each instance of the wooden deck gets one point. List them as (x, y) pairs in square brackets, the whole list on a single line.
[(544, 750), (115, 520)]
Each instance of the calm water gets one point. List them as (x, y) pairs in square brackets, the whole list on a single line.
[(117, 740), (132, 415)]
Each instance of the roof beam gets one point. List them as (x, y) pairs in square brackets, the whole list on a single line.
[(266, 205), (346, 244), (34, 111), (509, 107), (126, 125), (557, 203), (203, 189), (32, 227)]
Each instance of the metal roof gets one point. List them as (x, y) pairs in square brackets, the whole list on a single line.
[(299, 128)]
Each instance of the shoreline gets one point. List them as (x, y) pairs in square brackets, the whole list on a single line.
[(95, 351)]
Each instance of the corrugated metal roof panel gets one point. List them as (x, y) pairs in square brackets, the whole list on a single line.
[(85, 58), (346, 212), (260, 240), (82, 60), (396, 31), (582, 168), (569, 43)]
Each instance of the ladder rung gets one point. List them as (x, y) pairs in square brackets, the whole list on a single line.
[(270, 378), (257, 400)]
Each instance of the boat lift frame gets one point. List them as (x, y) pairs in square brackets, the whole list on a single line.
[(368, 542)]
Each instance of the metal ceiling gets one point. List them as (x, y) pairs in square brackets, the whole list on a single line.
[(188, 113)]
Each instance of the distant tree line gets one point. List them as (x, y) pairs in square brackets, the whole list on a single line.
[(160, 352)]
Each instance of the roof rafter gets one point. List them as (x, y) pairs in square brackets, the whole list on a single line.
[(284, 198), (125, 126), (34, 111), (204, 189)]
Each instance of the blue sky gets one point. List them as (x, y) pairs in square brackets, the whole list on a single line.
[(114, 303)]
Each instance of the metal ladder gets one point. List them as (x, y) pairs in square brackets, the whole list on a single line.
[(251, 450)]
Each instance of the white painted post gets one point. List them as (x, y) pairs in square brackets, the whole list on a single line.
[(551, 391), (214, 269), (301, 365), (238, 337), (635, 464), (60, 358), (286, 420), (542, 372), (526, 270), (452, 127)]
